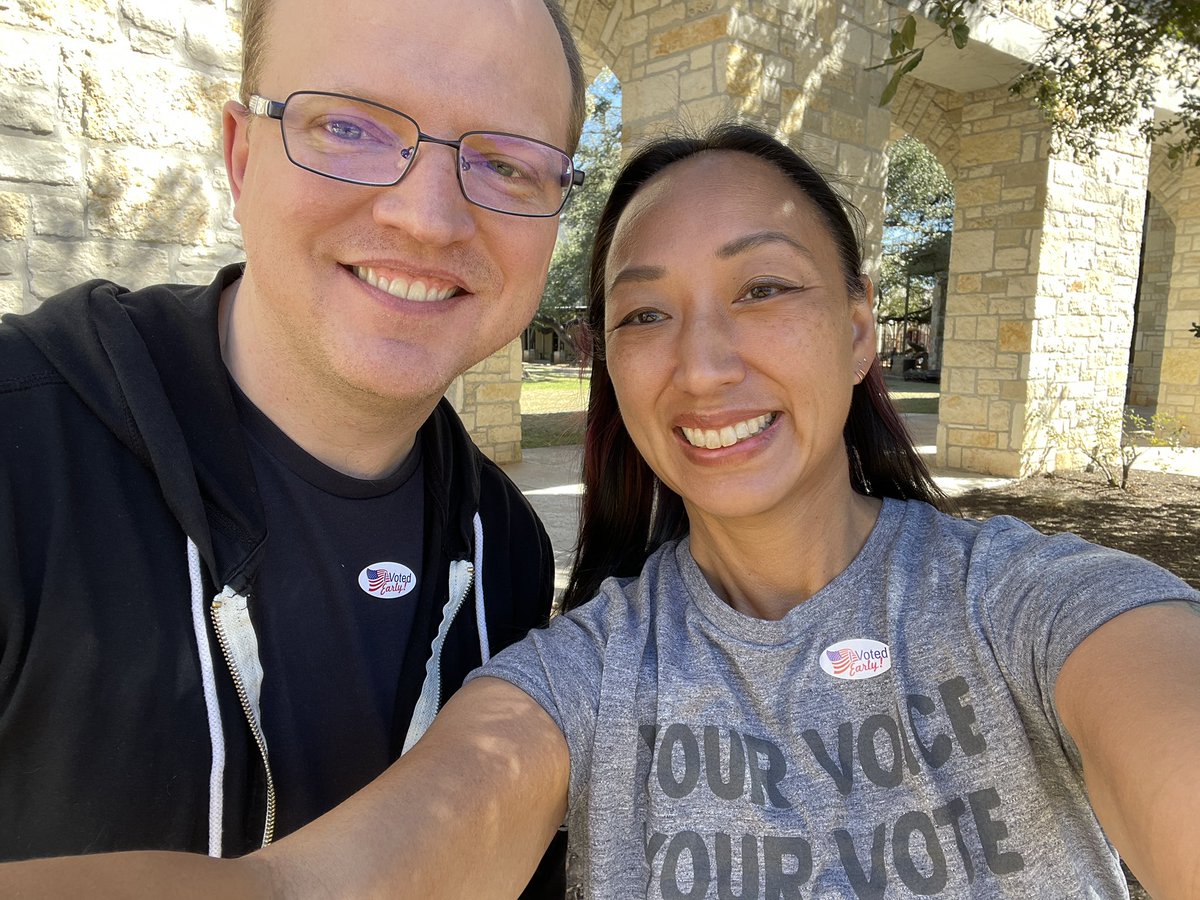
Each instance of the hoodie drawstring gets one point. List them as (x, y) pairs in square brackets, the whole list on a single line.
[(216, 777), (481, 622)]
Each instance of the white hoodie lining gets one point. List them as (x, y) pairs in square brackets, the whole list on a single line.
[(216, 777)]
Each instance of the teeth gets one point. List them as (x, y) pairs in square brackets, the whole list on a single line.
[(711, 439), (418, 291)]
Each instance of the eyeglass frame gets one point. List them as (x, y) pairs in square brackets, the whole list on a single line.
[(274, 109)]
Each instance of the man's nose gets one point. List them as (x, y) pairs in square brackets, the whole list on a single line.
[(428, 202), (708, 357)]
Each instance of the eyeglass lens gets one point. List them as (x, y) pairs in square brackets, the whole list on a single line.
[(356, 141)]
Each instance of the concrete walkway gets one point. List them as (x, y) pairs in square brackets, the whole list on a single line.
[(550, 478)]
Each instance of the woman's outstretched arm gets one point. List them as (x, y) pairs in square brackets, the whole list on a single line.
[(467, 812), (1129, 695)]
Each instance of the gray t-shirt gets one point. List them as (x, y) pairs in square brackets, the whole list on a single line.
[(894, 735)]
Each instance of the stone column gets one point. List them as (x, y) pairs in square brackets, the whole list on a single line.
[(1158, 250), (1179, 374), (1043, 267), (793, 65)]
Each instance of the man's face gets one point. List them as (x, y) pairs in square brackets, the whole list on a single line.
[(392, 291)]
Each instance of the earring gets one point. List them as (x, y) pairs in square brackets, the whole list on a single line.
[(861, 372)]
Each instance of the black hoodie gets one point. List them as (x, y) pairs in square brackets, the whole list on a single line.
[(129, 515)]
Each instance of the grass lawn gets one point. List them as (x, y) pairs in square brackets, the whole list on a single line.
[(553, 400)]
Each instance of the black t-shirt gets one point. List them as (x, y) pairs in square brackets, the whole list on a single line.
[(333, 603)]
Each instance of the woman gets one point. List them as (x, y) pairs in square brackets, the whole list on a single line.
[(818, 685)]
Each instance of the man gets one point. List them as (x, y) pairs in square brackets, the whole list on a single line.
[(244, 550)]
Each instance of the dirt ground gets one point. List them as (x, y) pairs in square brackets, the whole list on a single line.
[(1157, 518)]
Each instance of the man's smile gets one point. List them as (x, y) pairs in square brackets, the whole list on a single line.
[(420, 290)]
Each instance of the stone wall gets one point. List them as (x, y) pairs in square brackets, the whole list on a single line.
[(111, 163), (110, 149)]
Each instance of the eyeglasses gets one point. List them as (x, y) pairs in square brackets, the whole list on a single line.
[(360, 142)]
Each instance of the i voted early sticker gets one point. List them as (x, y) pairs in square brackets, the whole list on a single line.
[(856, 659), (387, 579)]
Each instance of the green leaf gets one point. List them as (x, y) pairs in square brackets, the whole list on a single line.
[(961, 32), (911, 64), (890, 90), (908, 31), (897, 47)]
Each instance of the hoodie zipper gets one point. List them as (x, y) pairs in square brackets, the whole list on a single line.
[(230, 603), (462, 576)]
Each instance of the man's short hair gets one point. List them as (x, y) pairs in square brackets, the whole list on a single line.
[(254, 38)]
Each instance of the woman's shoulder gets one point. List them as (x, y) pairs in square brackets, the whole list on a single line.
[(631, 601)]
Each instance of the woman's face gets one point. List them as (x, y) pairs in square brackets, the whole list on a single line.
[(732, 341)]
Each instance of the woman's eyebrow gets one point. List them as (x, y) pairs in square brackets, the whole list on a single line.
[(638, 275), (757, 239)]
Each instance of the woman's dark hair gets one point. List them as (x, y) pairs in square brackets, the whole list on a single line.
[(627, 512)]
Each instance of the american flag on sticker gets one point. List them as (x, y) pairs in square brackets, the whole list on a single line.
[(377, 578), (841, 660)]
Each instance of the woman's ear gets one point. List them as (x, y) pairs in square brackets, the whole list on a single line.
[(862, 324)]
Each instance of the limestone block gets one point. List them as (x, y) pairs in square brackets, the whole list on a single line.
[(95, 18), (27, 109), (652, 97), (144, 195), (1006, 463), (1012, 258), (56, 216), (666, 14), (959, 409), (1181, 366), (198, 264), (987, 328), (152, 42), (503, 454), (500, 391), (1012, 390), (972, 251), (10, 257), (966, 284), (689, 35), (848, 127), (988, 147), (753, 30), (634, 30), (980, 110), (12, 297), (152, 15), (504, 434), (29, 60), (968, 354), (57, 265), (14, 215), (694, 85), (971, 437), (213, 38), (144, 102), (494, 414), (38, 161)]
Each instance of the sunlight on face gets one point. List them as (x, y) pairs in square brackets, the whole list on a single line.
[(732, 340)]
